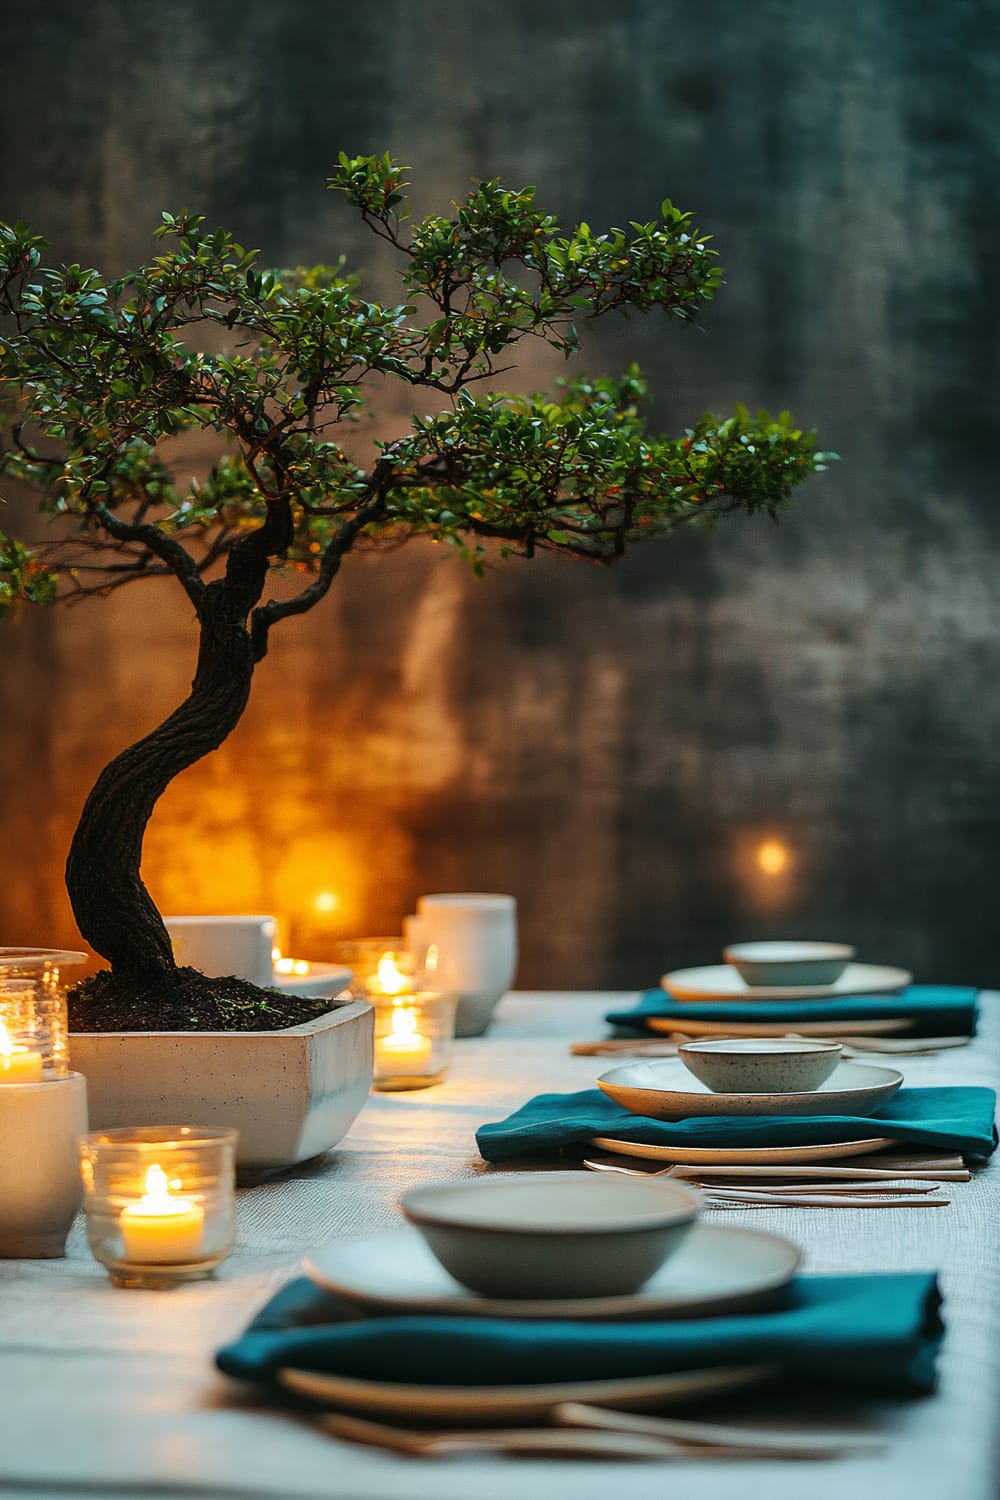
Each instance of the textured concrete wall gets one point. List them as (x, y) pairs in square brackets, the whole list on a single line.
[(611, 746)]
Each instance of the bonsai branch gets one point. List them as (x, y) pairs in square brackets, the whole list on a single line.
[(166, 548)]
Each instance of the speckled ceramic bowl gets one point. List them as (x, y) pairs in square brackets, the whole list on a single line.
[(553, 1234), (760, 1065), (789, 963)]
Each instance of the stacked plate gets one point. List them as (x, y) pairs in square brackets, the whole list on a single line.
[(715, 1269), (785, 971), (663, 1089), (787, 1077)]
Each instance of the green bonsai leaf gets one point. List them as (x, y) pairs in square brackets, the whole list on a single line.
[(23, 580)]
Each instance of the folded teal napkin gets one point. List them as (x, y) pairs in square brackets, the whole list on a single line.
[(878, 1332), (958, 1119), (934, 1009)]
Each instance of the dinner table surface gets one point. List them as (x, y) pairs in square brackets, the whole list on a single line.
[(107, 1391)]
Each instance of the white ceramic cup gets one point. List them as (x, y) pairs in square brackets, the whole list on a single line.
[(466, 942), (40, 1187), (223, 946)]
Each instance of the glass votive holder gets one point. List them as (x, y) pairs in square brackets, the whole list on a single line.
[(33, 1027), (159, 1201), (383, 967), (413, 1037)]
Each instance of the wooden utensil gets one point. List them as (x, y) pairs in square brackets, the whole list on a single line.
[(800, 1196), (594, 1432), (736, 1198), (835, 1179), (565, 1441), (771, 1444)]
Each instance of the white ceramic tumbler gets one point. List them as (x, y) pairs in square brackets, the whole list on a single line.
[(221, 946), (40, 1187), (467, 943)]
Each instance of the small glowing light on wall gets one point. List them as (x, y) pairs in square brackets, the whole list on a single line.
[(327, 901), (772, 857)]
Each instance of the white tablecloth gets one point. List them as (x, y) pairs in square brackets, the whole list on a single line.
[(112, 1392)]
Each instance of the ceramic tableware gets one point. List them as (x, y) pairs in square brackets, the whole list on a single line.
[(750, 1156), (789, 963), (836, 1030), (663, 1089), (321, 982), (722, 982), (552, 1234), (225, 945), (761, 1065), (466, 944), (486, 1403), (715, 1268)]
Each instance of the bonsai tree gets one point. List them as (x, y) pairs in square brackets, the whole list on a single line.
[(105, 373)]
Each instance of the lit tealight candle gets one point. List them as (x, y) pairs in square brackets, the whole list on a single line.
[(161, 1228), (404, 1051), (18, 1064), (388, 978)]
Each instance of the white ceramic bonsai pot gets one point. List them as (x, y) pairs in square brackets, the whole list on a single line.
[(291, 1094)]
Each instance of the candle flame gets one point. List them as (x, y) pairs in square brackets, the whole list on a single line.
[(404, 1021), (391, 980), (158, 1196)]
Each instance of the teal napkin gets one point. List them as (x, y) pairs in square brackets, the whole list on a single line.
[(934, 1009), (877, 1332), (957, 1119)]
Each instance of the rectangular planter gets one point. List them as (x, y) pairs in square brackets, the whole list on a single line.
[(291, 1094)]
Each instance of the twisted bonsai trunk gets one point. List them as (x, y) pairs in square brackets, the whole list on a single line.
[(113, 909)]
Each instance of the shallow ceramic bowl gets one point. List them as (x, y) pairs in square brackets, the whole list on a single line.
[(553, 1234), (789, 963), (761, 1064)]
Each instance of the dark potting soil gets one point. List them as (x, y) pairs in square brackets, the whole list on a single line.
[(185, 1000)]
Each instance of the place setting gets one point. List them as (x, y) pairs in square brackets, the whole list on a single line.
[(563, 1312), (540, 1310), (811, 988), (771, 1099), (948, 1121)]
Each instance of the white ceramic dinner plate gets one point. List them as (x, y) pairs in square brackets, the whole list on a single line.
[(715, 1267), (321, 983), (490, 1403), (686, 1027), (741, 1156), (663, 1089), (722, 982)]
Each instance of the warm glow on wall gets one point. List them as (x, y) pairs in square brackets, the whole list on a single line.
[(327, 901), (772, 857)]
